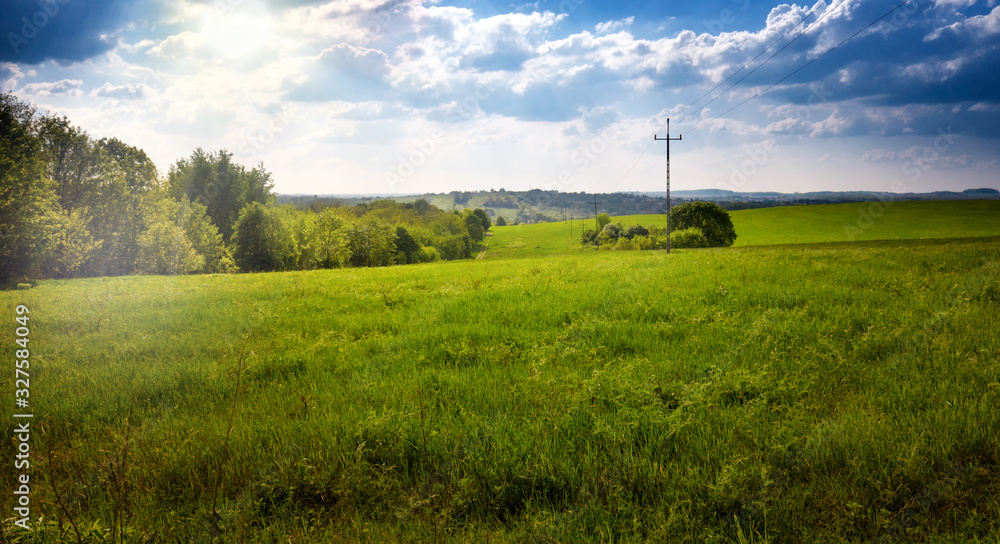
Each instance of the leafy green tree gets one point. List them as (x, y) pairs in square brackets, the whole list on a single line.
[(636, 230), (611, 233), (688, 238), (501, 222), (372, 242), (713, 221), (204, 237), (72, 247), (484, 218), (456, 246), (136, 167), (602, 220), (407, 246), (224, 187), (166, 250), (475, 228), (110, 182), (27, 200), (332, 250), (263, 240)]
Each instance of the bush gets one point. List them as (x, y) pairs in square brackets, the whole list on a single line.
[(263, 239), (713, 220), (429, 254), (687, 238)]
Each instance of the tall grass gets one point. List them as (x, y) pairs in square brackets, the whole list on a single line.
[(841, 392)]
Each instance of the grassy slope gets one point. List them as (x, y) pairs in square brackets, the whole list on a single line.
[(806, 394), (857, 222)]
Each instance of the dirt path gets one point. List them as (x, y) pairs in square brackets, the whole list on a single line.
[(486, 245)]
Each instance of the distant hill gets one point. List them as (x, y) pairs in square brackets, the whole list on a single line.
[(536, 205)]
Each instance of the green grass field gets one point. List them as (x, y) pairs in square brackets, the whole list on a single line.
[(835, 392)]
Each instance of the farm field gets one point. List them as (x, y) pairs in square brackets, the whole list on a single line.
[(834, 392)]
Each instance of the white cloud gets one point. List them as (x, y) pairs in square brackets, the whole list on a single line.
[(342, 72), (608, 26), (69, 87), (122, 92), (10, 74), (187, 44)]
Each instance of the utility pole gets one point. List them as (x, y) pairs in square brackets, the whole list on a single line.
[(668, 139), (597, 238)]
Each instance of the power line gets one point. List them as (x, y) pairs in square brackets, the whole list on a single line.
[(804, 66), (776, 83), (804, 17), (806, 29)]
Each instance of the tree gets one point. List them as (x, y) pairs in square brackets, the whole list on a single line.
[(27, 199), (263, 240), (407, 246), (372, 242), (636, 230), (692, 237), (136, 167), (484, 218), (332, 250), (166, 250), (107, 181), (204, 237), (72, 247), (475, 228), (611, 233), (713, 221), (501, 222), (224, 187), (602, 220)]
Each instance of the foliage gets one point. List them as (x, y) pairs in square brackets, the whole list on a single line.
[(501, 222), (688, 238), (25, 196), (475, 228), (713, 220), (165, 249), (407, 246), (603, 220), (484, 218), (263, 240), (222, 186), (372, 242)]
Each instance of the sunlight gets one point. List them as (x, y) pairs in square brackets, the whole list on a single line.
[(238, 35)]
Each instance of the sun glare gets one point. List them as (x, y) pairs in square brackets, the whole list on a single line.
[(238, 36)]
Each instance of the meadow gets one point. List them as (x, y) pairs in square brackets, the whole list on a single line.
[(829, 392)]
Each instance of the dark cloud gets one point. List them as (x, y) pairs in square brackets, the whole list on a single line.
[(34, 31)]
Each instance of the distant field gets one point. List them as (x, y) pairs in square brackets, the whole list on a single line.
[(789, 225), (867, 221), (842, 392)]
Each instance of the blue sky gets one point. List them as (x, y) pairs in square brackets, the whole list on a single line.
[(412, 96)]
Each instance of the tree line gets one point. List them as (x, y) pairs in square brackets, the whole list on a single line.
[(75, 206)]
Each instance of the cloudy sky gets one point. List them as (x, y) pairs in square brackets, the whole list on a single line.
[(410, 96)]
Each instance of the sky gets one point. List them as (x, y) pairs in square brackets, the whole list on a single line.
[(416, 96)]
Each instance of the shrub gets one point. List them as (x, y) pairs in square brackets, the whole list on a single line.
[(692, 237)]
